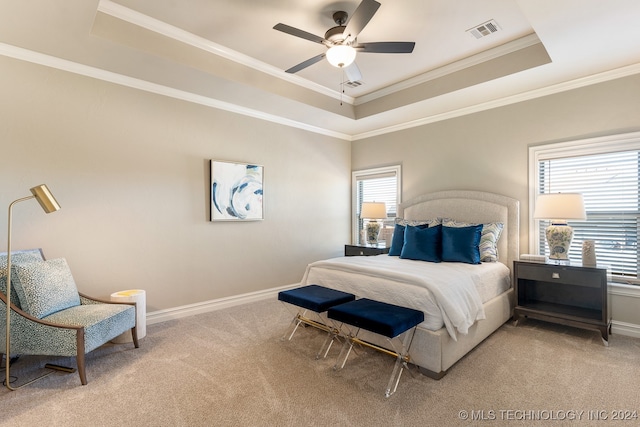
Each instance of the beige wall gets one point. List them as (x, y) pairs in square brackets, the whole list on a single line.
[(488, 151), (130, 170)]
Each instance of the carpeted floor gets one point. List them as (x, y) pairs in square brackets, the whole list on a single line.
[(229, 368)]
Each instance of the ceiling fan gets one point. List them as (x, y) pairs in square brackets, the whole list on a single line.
[(342, 43)]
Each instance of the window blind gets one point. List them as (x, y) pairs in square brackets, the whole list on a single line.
[(609, 183), (378, 190), (375, 185)]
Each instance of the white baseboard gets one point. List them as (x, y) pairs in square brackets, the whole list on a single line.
[(622, 328), (213, 305), (617, 327), (626, 292)]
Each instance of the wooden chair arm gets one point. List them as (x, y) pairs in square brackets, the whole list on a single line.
[(104, 301)]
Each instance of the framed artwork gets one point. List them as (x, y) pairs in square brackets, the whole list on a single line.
[(236, 191)]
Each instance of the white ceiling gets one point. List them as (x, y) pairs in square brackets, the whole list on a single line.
[(438, 27), (226, 54)]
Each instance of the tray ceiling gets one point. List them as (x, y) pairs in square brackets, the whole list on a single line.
[(226, 54)]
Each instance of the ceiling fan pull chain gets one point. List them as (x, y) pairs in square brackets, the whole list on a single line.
[(341, 85)]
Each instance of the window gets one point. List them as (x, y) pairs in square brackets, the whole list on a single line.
[(607, 173), (375, 185)]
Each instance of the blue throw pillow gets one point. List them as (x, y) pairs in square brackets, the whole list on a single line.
[(423, 244), (461, 244), (397, 241)]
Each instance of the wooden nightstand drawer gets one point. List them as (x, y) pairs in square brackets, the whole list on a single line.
[(559, 274), (353, 250)]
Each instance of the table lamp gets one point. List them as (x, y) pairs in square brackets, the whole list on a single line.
[(373, 211), (559, 207)]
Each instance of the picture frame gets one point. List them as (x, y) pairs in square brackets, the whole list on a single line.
[(236, 191)]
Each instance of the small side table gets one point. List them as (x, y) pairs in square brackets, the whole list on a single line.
[(568, 295), (140, 298), (355, 250)]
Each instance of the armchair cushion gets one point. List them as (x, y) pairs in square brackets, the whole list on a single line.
[(17, 257), (45, 287), (102, 322)]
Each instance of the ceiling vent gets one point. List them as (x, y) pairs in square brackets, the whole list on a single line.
[(353, 84), (484, 29)]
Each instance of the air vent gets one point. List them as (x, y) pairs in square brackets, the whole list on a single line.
[(353, 84), (484, 29)]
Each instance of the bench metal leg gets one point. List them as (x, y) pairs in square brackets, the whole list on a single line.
[(395, 377), (401, 363), (332, 335), (333, 331), (401, 355), (293, 327), (345, 352)]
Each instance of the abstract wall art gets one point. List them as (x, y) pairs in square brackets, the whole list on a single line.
[(236, 191)]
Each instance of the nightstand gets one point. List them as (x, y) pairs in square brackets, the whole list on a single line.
[(568, 295), (354, 250)]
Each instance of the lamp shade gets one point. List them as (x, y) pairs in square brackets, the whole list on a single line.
[(341, 55), (45, 198), (560, 206), (373, 210)]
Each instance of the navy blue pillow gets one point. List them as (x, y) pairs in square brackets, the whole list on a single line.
[(461, 244), (423, 244), (397, 242)]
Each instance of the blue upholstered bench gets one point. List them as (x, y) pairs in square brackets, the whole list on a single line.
[(317, 299), (388, 320)]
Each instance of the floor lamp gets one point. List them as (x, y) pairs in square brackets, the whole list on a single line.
[(49, 204)]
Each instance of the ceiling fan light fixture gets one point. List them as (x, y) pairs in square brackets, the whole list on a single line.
[(341, 55)]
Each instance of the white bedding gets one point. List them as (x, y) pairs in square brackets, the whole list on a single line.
[(450, 294)]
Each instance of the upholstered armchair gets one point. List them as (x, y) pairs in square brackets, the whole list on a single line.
[(50, 317)]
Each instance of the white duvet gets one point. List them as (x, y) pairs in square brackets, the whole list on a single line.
[(450, 294)]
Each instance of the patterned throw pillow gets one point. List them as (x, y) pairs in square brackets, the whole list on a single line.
[(488, 241), (17, 257), (44, 287), (416, 222)]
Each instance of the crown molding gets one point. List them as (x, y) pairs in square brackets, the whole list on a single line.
[(144, 21), (507, 100), (487, 55), (132, 82), (100, 74)]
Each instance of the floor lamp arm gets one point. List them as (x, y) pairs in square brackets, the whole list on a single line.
[(8, 323)]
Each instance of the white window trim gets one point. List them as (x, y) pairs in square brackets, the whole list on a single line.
[(605, 144), (355, 175)]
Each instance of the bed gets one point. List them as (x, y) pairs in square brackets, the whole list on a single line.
[(456, 319)]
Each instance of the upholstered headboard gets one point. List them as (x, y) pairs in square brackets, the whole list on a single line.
[(472, 206)]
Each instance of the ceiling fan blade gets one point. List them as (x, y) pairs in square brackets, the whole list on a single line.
[(360, 18), (353, 73), (306, 63), (386, 47), (299, 33)]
